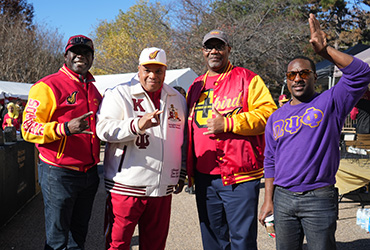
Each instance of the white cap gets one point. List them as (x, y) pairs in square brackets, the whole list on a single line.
[(153, 56)]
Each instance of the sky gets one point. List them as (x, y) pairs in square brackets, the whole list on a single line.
[(74, 17)]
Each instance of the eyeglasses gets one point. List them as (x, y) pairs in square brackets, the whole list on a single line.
[(304, 74), (210, 47), (82, 41)]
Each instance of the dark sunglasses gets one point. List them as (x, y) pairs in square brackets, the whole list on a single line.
[(82, 41), (210, 47), (304, 74)]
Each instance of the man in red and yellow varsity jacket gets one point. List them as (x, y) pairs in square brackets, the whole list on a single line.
[(228, 110), (60, 119), (53, 101)]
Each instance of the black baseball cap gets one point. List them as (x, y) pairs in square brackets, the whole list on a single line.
[(218, 34)]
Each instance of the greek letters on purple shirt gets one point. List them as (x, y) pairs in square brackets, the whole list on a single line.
[(312, 118)]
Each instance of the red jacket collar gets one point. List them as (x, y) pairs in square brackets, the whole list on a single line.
[(77, 77)]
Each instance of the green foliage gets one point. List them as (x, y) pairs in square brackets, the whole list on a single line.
[(345, 22), (264, 34), (118, 43)]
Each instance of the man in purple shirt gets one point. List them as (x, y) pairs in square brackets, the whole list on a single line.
[(302, 148)]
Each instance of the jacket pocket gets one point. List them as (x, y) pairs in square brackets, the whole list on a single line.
[(122, 158), (62, 146)]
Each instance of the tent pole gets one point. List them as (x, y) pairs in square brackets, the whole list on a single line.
[(282, 89), (333, 81)]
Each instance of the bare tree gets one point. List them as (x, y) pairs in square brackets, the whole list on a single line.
[(191, 21), (263, 34), (27, 54), (118, 43), (17, 10)]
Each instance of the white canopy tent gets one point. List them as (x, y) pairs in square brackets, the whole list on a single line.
[(364, 56), (328, 74), (176, 77), (14, 90)]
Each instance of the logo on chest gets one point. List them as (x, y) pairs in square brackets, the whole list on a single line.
[(173, 116), (142, 141), (137, 105), (311, 118), (72, 98)]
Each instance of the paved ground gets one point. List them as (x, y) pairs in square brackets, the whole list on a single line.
[(26, 230)]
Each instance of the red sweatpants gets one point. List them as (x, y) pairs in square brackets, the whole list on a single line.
[(124, 212)]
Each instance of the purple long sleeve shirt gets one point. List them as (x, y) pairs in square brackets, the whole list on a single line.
[(302, 141)]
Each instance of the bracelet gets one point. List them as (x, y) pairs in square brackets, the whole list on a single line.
[(68, 133)]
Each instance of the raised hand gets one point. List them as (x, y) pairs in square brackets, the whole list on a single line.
[(215, 125), (80, 124), (319, 44), (318, 37)]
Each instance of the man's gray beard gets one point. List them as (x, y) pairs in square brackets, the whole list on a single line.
[(213, 65)]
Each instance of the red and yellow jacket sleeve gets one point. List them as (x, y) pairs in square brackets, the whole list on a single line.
[(37, 126), (257, 108)]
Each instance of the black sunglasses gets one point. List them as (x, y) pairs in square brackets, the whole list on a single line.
[(210, 47), (82, 41), (304, 74)]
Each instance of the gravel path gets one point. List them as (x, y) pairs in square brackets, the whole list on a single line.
[(26, 230)]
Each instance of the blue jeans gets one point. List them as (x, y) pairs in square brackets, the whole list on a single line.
[(68, 199), (312, 213), (227, 214)]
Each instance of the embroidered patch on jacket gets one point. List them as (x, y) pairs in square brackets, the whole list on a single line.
[(234, 112), (173, 114), (72, 98), (175, 173), (96, 102), (142, 141)]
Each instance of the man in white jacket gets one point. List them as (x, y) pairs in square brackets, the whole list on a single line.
[(143, 123)]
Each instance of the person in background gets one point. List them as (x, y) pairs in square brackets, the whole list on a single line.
[(228, 109), (20, 107), (302, 148), (361, 113), (190, 190), (181, 90), (282, 100), (143, 123), (59, 118), (12, 118)]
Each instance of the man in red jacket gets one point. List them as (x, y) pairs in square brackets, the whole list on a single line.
[(60, 118), (228, 109)]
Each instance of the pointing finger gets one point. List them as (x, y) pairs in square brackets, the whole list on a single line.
[(157, 112), (86, 115), (87, 132)]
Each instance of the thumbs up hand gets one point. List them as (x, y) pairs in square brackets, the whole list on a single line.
[(215, 125)]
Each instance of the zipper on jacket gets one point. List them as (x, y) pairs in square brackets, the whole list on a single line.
[(161, 124)]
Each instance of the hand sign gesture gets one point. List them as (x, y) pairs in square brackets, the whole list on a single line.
[(150, 120), (215, 125), (318, 37), (320, 45), (79, 125)]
